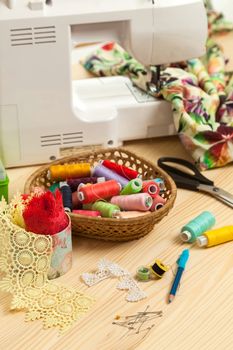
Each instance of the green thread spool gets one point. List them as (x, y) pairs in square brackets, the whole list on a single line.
[(106, 209), (197, 227), (143, 273), (53, 187), (134, 186)]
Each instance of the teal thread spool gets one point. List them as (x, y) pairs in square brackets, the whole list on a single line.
[(53, 187), (197, 227), (106, 209), (143, 273), (134, 186)]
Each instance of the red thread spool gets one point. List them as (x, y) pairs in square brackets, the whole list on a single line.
[(158, 202), (122, 170), (151, 188), (92, 193), (75, 201)]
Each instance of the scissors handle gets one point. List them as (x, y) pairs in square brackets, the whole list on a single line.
[(184, 179)]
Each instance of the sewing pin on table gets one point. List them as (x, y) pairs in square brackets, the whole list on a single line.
[(181, 262)]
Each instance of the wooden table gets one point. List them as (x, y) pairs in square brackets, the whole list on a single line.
[(201, 315)]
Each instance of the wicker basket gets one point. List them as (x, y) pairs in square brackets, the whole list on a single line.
[(106, 228)]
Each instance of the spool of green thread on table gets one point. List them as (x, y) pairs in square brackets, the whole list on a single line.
[(134, 186), (197, 227), (143, 273)]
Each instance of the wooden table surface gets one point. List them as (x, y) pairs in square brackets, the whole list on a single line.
[(201, 315)]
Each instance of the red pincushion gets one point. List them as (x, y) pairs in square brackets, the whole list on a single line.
[(45, 214)]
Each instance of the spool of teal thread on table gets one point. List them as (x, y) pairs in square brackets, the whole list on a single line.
[(197, 227)]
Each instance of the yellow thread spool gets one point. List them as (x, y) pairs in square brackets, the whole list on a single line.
[(158, 268), (68, 171), (215, 237)]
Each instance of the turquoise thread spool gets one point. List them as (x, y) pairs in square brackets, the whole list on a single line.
[(197, 227)]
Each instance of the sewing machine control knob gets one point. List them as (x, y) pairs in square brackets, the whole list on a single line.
[(36, 5)]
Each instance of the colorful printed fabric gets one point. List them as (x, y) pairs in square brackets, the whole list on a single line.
[(200, 91)]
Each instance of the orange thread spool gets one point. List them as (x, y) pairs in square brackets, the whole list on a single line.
[(98, 191), (68, 171)]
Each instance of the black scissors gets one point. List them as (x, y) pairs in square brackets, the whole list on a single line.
[(195, 181)]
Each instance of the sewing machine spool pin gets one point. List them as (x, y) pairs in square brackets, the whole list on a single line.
[(155, 84)]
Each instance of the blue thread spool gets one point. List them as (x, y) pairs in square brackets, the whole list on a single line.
[(197, 227), (66, 195)]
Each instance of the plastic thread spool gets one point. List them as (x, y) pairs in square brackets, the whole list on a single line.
[(106, 209), (74, 183), (134, 186), (53, 187), (158, 268), (197, 227), (93, 213), (98, 191), (137, 201), (143, 273), (66, 171), (101, 171), (160, 182), (158, 202), (66, 195), (151, 187), (215, 237), (122, 170)]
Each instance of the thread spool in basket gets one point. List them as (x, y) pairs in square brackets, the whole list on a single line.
[(101, 171), (122, 170), (106, 209), (66, 196), (150, 187), (158, 202), (62, 172), (74, 183), (92, 193), (138, 201), (133, 186)]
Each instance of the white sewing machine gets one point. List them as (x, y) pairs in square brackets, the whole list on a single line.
[(42, 111)]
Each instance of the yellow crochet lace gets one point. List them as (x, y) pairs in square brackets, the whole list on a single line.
[(25, 261)]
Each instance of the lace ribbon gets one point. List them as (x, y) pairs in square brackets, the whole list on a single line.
[(25, 261)]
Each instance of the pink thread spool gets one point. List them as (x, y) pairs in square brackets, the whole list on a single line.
[(138, 201), (151, 188), (132, 214), (94, 213), (158, 202)]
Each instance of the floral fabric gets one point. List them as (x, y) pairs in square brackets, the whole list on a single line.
[(200, 91)]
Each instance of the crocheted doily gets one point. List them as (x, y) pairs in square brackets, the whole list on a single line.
[(25, 260)]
